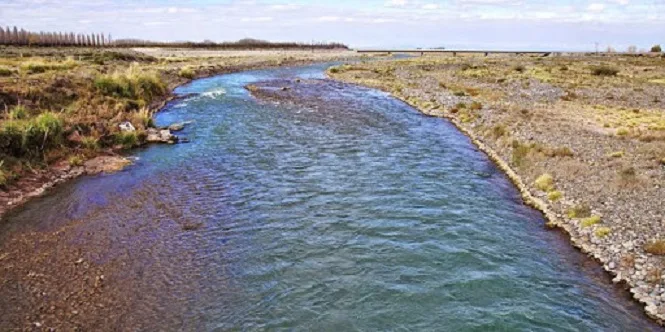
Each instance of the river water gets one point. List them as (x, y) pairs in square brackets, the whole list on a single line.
[(357, 213)]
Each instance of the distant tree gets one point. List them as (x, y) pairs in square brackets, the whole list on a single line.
[(2, 36), (15, 36), (610, 49), (656, 49), (632, 49)]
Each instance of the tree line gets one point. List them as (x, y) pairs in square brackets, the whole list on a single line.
[(21, 37)]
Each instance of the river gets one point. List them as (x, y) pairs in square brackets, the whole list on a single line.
[(357, 213)]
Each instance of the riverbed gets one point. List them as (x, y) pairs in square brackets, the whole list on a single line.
[(356, 212)]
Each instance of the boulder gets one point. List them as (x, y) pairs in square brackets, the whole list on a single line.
[(127, 126)]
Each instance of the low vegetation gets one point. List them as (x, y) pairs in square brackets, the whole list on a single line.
[(590, 221), (604, 71), (544, 182), (655, 247)]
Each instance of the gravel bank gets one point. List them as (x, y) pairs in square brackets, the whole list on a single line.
[(585, 149)]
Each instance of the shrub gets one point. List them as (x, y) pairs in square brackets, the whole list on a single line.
[(75, 160), (622, 132), (656, 49), (132, 84), (655, 247), (460, 106), (617, 154), (519, 68), (520, 152), (499, 131), (3, 177), (186, 72), (544, 182), (90, 143), (476, 106), (4, 71), (579, 211), (590, 221), (36, 67), (143, 117), (21, 138), (459, 93), (334, 70), (554, 195), (602, 232), (604, 71), (18, 113), (127, 139)]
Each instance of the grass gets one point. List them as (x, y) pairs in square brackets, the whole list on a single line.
[(655, 247), (622, 132), (90, 143), (617, 154), (604, 71), (579, 211), (132, 84), (31, 137), (544, 183), (602, 232), (36, 67), (4, 71), (187, 73), (3, 176), (18, 112), (128, 139), (75, 160), (590, 221), (554, 195)]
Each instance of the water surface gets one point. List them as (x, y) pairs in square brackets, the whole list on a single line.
[(356, 214)]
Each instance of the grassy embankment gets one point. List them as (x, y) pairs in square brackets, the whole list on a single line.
[(66, 104), (585, 134)]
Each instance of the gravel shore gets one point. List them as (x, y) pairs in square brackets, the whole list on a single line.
[(585, 144)]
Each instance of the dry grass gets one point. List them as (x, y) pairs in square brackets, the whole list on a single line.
[(655, 247)]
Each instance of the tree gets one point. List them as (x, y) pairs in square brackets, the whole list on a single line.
[(656, 49), (632, 49)]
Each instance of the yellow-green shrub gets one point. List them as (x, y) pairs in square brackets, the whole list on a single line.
[(554, 195), (588, 222), (544, 182)]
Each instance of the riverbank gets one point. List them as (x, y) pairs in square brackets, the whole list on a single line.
[(584, 144), (86, 94)]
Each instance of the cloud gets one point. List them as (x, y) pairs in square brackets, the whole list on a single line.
[(396, 3), (430, 6), (596, 7)]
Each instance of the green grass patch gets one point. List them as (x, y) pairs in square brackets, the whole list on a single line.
[(554, 195), (579, 211), (602, 232), (187, 73), (544, 182), (128, 139), (131, 84), (604, 71), (590, 221)]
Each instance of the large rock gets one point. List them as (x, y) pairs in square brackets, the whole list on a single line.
[(126, 126), (160, 136)]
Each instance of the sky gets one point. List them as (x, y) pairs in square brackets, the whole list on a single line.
[(453, 24)]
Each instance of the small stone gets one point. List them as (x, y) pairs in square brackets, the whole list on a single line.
[(127, 126)]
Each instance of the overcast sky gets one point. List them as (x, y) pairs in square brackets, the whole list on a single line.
[(494, 24)]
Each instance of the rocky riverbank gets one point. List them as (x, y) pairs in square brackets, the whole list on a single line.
[(583, 139), (70, 83)]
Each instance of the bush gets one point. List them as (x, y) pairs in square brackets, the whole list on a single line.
[(36, 67), (604, 71), (579, 211), (18, 113), (655, 247), (656, 49), (90, 143), (4, 71), (544, 182), (588, 222), (602, 232), (186, 73), (476, 106), (75, 160), (21, 138), (554, 195), (128, 139), (132, 84), (622, 132), (617, 154), (3, 177), (519, 68)]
